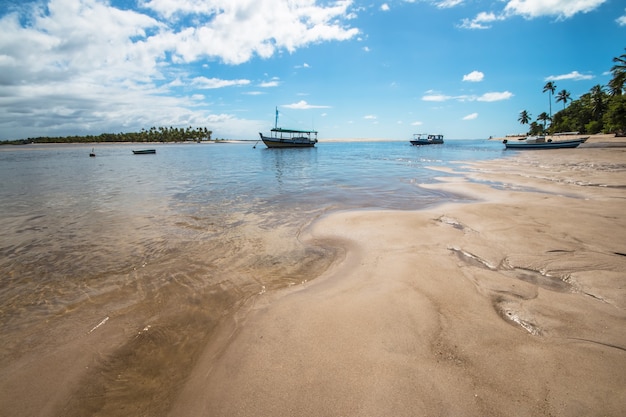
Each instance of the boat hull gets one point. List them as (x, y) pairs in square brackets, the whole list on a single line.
[(426, 139), (301, 142), (427, 142), (544, 145), (145, 152)]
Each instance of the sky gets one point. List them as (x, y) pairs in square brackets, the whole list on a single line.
[(346, 68)]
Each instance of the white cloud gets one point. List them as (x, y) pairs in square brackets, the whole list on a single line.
[(384, 7), (495, 96), (417, 123), (530, 9), (85, 66), (303, 105), (436, 97), (269, 84), (492, 96), (370, 117), (621, 20), (225, 29), (474, 76), (471, 116), (574, 75), (209, 83), (480, 21), (561, 8), (446, 4)]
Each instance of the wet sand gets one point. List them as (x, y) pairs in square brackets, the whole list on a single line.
[(512, 305)]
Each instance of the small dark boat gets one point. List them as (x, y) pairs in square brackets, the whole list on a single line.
[(144, 151), (289, 138), (92, 153), (427, 140), (540, 142)]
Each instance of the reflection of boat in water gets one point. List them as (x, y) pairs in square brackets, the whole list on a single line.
[(144, 151), (289, 138), (428, 140), (540, 142)]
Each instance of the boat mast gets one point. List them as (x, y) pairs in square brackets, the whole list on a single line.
[(276, 121)]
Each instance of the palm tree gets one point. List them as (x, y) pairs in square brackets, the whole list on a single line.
[(597, 99), (550, 87), (544, 117), (524, 117), (563, 96), (619, 74)]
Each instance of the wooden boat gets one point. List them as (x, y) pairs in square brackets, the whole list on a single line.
[(289, 138), (144, 151), (427, 140), (540, 142)]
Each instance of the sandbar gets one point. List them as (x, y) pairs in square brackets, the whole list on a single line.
[(513, 304)]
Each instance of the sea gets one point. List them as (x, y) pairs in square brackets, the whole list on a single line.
[(129, 263)]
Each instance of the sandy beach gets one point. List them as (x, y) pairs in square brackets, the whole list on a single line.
[(514, 304)]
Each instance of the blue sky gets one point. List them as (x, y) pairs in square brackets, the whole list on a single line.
[(347, 68)]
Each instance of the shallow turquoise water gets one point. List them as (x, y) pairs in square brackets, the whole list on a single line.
[(176, 241)]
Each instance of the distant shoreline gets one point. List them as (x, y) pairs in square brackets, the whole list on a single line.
[(593, 139)]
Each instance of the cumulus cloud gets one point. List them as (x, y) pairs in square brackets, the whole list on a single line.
[(481, 21), (474, 76), (531, 9), (384, 7), (225, 29), (574, 75), (71, 66), (471, 116), (370, 117), (621, 20), (303, 105), (560, 8)]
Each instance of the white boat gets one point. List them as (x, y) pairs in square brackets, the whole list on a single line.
[(289, 138), (540, 142), (426, 139)]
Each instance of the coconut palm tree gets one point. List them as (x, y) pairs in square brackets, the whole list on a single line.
[(550, 87), (563, 96), (524, 117), (544, 117), (597, 100), (619, 74)]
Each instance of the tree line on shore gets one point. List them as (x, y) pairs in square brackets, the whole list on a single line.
[(601, 110), (154, 134)]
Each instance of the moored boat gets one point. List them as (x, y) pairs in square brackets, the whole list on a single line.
[(426, 139), (540, 142), (144, 151), (289, 138)]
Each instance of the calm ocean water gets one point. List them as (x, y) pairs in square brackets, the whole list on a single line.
[(96, 251)]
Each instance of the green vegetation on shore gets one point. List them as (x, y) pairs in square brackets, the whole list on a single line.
[(601, 110), (154, 134)]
